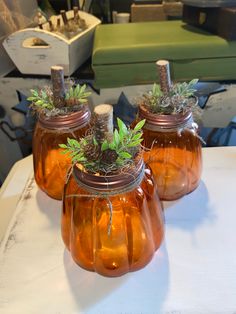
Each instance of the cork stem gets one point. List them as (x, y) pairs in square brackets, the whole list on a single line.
[(163, 68), (103, 129), (58, 86)]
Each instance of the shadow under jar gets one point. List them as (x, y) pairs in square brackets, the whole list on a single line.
[(50, 165), (112, 224), (175, 152)]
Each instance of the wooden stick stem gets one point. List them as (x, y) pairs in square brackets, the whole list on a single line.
[(103, 129), (163, 68), (58, 86)]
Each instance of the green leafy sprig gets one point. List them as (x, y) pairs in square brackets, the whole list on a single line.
[(125, 141), (42, 100), (108, 156)]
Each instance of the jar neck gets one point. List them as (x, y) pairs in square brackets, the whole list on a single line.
[(165, 122), (71, 120), (108, 185)]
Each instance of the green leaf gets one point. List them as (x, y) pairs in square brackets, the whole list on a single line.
[(62, 145), (134, 143), (82, 89), (71, 92), (82, 101), (137, 136), (122, 127), (112, 145), (44, 94), (78, 159), (95, 141), (85, 95), (139, 125), (156, 91), (65, 151), (31, 98), (82, 159), (105, 145), (83, 142), (125, 155), (77, 90), (73, 143), (120, 161), (193, 82), (116, 138), (39, 102), (34, 92)]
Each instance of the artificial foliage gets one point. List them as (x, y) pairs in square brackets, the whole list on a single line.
[(76, 95), (178, 99), (42, 100), (107, 156)]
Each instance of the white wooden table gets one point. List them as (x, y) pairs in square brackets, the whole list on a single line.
[(193, 272)]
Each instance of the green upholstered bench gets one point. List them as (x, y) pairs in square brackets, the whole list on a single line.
[(125, 54)]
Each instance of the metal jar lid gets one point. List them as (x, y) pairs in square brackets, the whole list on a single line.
[(165, 121), (74, 119), (120, 181)]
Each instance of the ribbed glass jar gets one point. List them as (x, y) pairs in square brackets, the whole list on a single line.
[(112, 224), (50, 165), (175, 152)]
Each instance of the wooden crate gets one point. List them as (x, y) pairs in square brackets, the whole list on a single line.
[(173, 8), (69, 53), (227, 23), (147, 12)]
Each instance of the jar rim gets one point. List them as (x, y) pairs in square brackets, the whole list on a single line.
[(110, 182), (164, 120), (71, 119)]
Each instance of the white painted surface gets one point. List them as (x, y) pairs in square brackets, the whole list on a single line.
[(69, 53), (11, 191), (193, 272)]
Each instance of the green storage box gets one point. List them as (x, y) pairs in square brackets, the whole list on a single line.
[(125, 54)]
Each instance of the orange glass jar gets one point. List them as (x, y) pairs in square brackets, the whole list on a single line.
[(175, 152), (112, 224), (50, 165)]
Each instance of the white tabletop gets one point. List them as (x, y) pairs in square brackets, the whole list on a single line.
[(193, 272)]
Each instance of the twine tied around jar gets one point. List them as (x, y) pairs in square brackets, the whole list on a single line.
[(105, 194), (175, 126), (193, 128)]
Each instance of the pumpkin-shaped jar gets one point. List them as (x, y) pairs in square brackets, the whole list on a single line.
[(50, 165), (174, 152), (112, 224)]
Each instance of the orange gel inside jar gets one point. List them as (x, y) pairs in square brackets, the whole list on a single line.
[(50, 165), (112, 224), (175, 152)]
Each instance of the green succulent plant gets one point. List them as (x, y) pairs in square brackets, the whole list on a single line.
[(77, 95), (107, 156), (178, 99), (185, 89)]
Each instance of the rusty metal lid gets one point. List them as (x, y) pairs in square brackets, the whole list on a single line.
[(72, 120), (167, 121), (120, 181)]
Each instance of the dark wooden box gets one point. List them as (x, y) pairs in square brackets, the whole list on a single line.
[(220, 21), (227, 23)]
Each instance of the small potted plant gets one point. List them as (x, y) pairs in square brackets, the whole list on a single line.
[(62, 112), (112, 218), (170, 135)]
